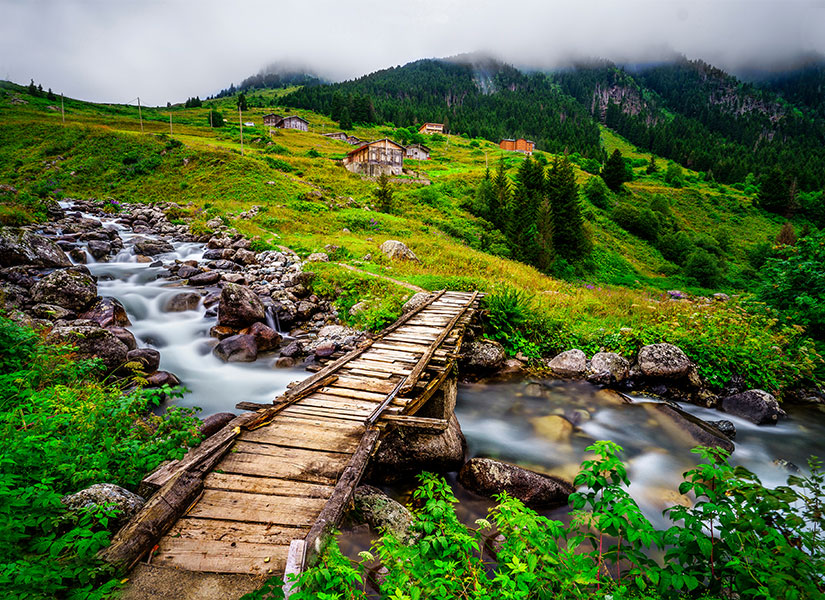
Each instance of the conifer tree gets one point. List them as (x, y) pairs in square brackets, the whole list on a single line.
[(485, 197), (774, 193), (568, 235), (522, 214), (614, 172), (383, 193), (501, 199), (651, 165), (344, 120)]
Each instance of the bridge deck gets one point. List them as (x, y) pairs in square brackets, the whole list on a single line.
[(274, 481)]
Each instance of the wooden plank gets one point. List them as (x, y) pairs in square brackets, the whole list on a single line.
[(423, 423), (361, 383), (309, 437), (322, 472), (309, 412), (393, 369), (324, 412), (285, 421), (294, 566), (348, 393), (266, 485), (368, 373), (331, 514), (337, 403), (257, 508), (403, 347), (253, 406), (221, 557), (422, 340), (276, 450), (209, 530)]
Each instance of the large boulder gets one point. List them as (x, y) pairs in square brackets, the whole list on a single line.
[(182, 302), (20, 247), (68, 288), (570, 364), (689, 430), (204, 279), (382, 513), (406, 451), (149, 247), (106, 496), (415, 301), (757, 406), (607, 368), (488, 477), (239, 306), (107, 312), (91, 341), (398, 251), (483, 356), (237, 348), (663, 360), (266, 338)]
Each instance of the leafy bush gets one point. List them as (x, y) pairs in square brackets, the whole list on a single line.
[(703, 267), (277, 163), (641, 222), (676, 246), (674, 176), (515, 321), (597, 192)]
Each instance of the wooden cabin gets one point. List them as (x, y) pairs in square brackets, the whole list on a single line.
[(376, 158), (291, 122), (519, 145), (430, 128), (418, 152), (338, 135), (351, 139)]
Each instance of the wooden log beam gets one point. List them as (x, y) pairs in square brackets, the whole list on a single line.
[(156, 517), (341, 496), (294, 566), (423, 423)]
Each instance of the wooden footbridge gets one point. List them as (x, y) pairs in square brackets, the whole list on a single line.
[(259, 496)]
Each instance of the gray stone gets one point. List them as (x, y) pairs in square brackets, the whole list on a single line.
[(245, 257), (398, 251), (570, 364), (488, 477), (68, 288), (92, 341), (21, 247), (149, 247), (415, 301), (382, 513), (99, 249), (725, 426), (326, 348), (107, 312), (205, 278), (149, 358), (187, 271), (161, 378), (51, 312), (182, 302), (663, 360), (237, 348), (318, 257), (125, 336), (358, 307), (757, 406), (239, 306), (483, 356), (108, 496), (607, 368)]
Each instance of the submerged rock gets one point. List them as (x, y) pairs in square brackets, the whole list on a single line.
[(757, 406), (182, 302), (237, 348), (488, 477), (553, 428), (691, 430), (663, 360), (571, 364)]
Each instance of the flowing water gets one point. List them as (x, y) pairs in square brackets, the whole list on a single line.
[(182, 338)]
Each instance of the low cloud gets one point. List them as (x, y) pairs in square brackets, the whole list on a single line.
[(167, 51)]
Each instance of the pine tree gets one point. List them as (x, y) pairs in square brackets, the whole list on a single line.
[(50, 94), (485, 197), (242, 105), (345, 121), (774, 193), (614, 171), (32, 88), (651, 165), (568, 235), (501, 199), (383, 193)]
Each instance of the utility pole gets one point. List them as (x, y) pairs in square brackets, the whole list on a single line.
[(140, 116), (170, 124), (62, 112), (210, 119), (240, 122)]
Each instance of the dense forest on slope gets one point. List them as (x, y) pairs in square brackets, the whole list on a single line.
[(483, 99), (803, 87)]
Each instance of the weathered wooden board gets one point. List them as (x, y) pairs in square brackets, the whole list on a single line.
[(308, 437), (266, 485), (221, 556), (206, 530), (295, 467), (257, 508)]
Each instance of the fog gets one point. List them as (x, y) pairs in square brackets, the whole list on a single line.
[(116, 50)]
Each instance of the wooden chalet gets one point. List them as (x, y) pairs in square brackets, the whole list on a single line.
[(519, 145), (376, 158), (418, 152), (430, 128), (338, 135), (291, 122), (351, 139)]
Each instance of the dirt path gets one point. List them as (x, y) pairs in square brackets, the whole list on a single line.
[(409, 286)]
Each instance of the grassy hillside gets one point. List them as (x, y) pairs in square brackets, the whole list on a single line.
[(308, 201)]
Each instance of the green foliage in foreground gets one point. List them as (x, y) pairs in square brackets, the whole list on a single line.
[(63, 431), (738, 539)]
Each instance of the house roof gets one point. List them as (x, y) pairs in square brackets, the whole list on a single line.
[(425, 124), (420, 146), (296, 117), (272, 115), (375, 142)]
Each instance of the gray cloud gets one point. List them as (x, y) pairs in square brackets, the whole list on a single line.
[(115, 50)]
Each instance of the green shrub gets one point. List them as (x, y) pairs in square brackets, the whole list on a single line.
[(641, 222), (597, 192), (703, 267), (676, 246), (515, 321), (277, 163)]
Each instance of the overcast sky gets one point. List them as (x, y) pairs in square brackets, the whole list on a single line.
[(115, 50)]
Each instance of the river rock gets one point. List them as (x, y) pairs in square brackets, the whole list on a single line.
[(205, 278), (266, 338), (213, 423), (109, 496), (245, 257), (161, 378), (52, 312), (757, 406), (149, 247), (607, 368), (92, 341), (326, 348), (292, 349), (483, 356), (182, 302), (21, 247), (239, 306), (725, 426), (488, 477), (663, 360), (69, 288), (398, 251), (149, 358), (691, 430), (415, 301), (553, 427), (382, 513), (284, 362), (404, 452), (237, 348), (125, 336), (569, 364), (107, 312), (98, 249)]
